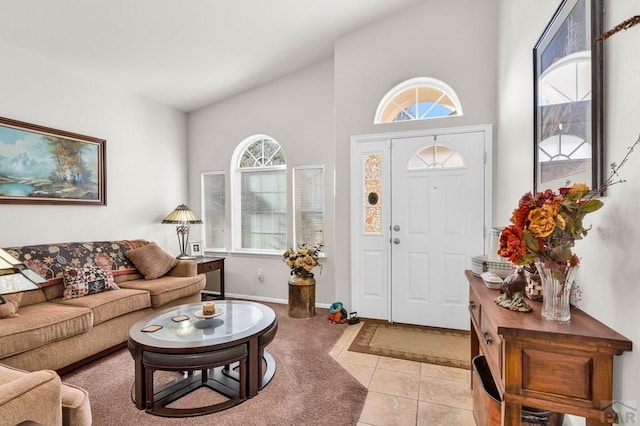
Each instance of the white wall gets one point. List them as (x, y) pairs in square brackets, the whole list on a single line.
[(454, 41), (609, 271), (145, 152), (297, 111)]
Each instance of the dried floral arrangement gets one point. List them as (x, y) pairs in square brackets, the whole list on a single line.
[(624, 25), (303, 259)]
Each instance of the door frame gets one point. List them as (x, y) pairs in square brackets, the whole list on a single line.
[(356, 199)]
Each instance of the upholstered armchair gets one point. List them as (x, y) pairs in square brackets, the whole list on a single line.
[(34, 397), (39, 397)]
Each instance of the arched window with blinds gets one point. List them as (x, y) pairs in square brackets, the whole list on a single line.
[(259, 181)]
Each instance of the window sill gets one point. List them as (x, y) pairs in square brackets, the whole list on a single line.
[(260, 253), (253, 253)]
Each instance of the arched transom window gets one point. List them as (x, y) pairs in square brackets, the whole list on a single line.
[(262, 152), (418, 99), (435, 157)]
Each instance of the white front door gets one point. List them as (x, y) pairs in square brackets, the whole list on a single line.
[(437, 225), (416, 223)]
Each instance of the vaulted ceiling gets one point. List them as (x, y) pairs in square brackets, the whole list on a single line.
[(186, 53)]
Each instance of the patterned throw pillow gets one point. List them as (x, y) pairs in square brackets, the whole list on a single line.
[(86, 280), (11, 305)]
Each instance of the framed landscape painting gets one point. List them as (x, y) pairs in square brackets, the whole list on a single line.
[(41, 165)]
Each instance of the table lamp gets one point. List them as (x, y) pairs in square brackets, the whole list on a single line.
[(183, 217)]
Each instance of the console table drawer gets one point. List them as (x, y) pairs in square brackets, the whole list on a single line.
[(491, 346), (474, 307), (565, 374)]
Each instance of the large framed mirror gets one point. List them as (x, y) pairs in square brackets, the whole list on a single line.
[(568, 95)]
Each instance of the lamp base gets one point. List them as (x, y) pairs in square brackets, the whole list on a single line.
[(183, 239)]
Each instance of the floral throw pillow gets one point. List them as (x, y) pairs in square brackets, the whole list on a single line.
[(86, 280)]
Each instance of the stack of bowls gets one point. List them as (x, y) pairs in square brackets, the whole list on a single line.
[(481, 264)]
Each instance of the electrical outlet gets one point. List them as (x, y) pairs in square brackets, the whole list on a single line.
[(260, 275)]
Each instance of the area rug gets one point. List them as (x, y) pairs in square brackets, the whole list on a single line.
[(309, 386), (414, 343)]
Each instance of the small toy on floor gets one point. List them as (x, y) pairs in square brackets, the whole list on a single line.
[(337, 313)]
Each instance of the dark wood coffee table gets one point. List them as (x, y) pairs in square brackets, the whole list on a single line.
[(224, 353)]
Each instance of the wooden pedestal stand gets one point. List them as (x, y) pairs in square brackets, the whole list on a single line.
[(302, 297)]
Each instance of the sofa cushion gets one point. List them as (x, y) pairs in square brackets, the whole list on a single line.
[(151, 260), (9, 309), (40, 324), (88, 279), (33, 296), (110, 304), (167, 289), (184, 268), (128, 277), (53, 291)]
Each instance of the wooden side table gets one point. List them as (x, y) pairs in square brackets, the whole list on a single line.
[(208, 264)]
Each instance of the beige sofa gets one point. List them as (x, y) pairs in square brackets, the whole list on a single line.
[(56, 329)]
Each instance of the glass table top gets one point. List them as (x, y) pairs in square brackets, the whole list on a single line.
[(236, 317)]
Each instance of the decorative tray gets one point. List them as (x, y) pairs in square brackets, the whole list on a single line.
[(217, 313)]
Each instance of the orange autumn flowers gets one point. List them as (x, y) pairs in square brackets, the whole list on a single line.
[(545, 226)]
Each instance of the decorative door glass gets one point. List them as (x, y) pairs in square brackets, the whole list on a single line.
[(372, 197)]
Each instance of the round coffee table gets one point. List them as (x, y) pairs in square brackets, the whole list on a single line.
[(224, 353)]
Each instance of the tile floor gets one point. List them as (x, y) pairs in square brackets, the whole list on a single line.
[(407, 392)]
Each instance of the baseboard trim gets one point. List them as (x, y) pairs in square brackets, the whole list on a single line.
[(268, 299)]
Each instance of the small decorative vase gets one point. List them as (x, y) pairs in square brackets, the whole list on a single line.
[(556, 288)]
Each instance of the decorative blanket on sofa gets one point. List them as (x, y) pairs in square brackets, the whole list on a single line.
[(48, 260)]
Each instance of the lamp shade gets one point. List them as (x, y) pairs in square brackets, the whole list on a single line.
[(182, 215)]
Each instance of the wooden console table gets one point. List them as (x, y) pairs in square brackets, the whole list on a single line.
[(565, 367)]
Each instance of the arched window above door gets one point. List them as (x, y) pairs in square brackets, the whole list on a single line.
[(418, 98), (436, 157)]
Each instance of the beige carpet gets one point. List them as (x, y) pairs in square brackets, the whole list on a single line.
[(414, 343), (309, 387)]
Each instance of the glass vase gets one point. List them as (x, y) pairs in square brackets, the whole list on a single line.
[(556, 290)]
